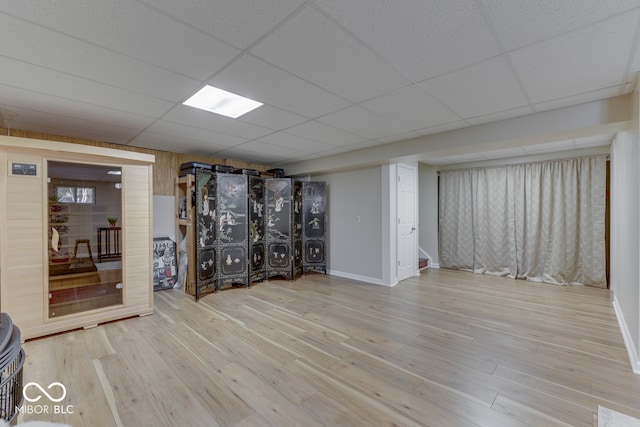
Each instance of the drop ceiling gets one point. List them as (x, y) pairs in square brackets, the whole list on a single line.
[(334, 75)]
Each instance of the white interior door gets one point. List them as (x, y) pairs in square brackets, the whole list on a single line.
[(407, 244)]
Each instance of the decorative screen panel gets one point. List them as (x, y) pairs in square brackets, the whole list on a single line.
[(314, 226), (257, 229), (233, 229), (283, 227), (206, 233)]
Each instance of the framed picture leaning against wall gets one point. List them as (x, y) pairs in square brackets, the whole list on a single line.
[(165, 271)]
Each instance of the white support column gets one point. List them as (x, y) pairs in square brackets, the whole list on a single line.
[(389, 260)]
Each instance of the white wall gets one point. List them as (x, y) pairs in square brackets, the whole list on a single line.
[(625, 240), (354, 222), (428, 211), (164, 217)]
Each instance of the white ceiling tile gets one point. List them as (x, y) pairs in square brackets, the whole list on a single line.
[(283, 163), (255, 157), (446, 127), (205, 120), (263, 150), (316, 49), (522, 22), (329, 72), (358, 146), (204, 153), (161, 141), (335, 150), (133, 29), (34, 103), (272, 118), (262, 156), (362, 122), (54, 124), (317, 131), (481, 89), (585, 60), (57, 125), (421, 38), (102, 65), (502, 115), (332, 152), (396, 137), (238, 22), (38, 79), (178, 131), (579, 99), (286, 140), (412, 107), (266, 83), (338, 150)]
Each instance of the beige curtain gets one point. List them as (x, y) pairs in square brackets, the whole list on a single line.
[(494, 222), (456, 228), (540, 221)]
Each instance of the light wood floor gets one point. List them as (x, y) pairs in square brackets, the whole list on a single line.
[(447, 348)]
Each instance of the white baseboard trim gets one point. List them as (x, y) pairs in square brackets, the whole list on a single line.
[(434, 265), (628, 341), (359, 278)]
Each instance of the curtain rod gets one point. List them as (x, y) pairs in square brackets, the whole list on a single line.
[(606, 156)]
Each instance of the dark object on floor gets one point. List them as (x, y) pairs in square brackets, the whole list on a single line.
[(11, 362)]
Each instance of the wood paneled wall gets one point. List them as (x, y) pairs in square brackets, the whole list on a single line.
[(167, 165)]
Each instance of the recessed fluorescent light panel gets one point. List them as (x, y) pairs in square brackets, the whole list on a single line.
[(220, 101)]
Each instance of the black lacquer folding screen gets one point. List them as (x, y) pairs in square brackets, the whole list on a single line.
[(249, 228)]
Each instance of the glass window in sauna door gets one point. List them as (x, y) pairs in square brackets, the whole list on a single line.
[(84, 237)]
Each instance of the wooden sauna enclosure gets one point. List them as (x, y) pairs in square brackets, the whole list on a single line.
[(63, 265)]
